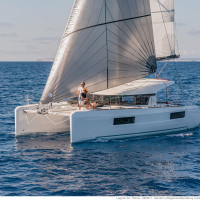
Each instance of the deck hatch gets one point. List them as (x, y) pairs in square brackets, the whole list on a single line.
[(177, 115), (124, 120)]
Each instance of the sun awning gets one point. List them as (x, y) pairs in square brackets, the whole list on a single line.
[(139, 87)]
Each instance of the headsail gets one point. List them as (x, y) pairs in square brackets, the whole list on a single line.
[(106, 43), (162, 12)]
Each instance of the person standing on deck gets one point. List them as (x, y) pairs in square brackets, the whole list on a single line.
[(80, 91)]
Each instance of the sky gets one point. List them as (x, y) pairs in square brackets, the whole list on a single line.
[(31, 30)]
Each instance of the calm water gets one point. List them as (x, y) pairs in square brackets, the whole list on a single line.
[(49, 165)]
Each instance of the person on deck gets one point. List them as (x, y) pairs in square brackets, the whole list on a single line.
[(83, 98), (79, 92), (84, 101)]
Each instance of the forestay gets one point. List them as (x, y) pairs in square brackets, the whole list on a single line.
[(163, 28), (106, 43)]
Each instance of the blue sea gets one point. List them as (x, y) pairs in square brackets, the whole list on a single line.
[(48, 165)]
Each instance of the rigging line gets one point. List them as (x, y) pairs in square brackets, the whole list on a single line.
[(61, 89), (79, 58), (151, 53), (162, 68), (111, 22), (162, 5), (128, 35), (144, 59), (180, 84), (174, 62), (54, 123), (82, 43), (77, 70), (173, 96), (106, 42)]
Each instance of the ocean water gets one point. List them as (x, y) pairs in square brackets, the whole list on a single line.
[(49, 165)]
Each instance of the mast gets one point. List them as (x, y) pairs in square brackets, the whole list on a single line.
[(106, 43)]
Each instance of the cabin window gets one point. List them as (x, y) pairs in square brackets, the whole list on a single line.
[(136, 100), (124, 120), (177, 115)]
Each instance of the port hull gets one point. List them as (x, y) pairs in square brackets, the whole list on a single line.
[(29, 120)]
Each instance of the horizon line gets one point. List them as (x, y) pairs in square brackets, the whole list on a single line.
[(176, 60)]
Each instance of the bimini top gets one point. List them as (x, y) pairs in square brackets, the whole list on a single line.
[(138, 87)]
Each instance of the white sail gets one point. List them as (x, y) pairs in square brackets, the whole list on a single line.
[(163, 28), (106, 43)]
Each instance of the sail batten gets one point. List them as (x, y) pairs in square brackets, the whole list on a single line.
[(110, 22), (106, 43)]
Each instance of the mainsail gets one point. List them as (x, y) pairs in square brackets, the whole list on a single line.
[(106, 43), (162, 12)]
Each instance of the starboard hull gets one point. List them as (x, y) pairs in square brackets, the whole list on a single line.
[(126, 123)]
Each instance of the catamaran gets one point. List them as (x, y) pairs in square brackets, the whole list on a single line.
[(111, 45)]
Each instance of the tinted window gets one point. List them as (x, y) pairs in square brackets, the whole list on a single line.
[(177, 115), (124, 120)]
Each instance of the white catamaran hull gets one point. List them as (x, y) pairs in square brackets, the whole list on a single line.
[(99, 124), (28, 120), (93, 125)]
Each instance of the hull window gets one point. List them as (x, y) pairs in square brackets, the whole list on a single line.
[(125, 120), (177, 115)]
